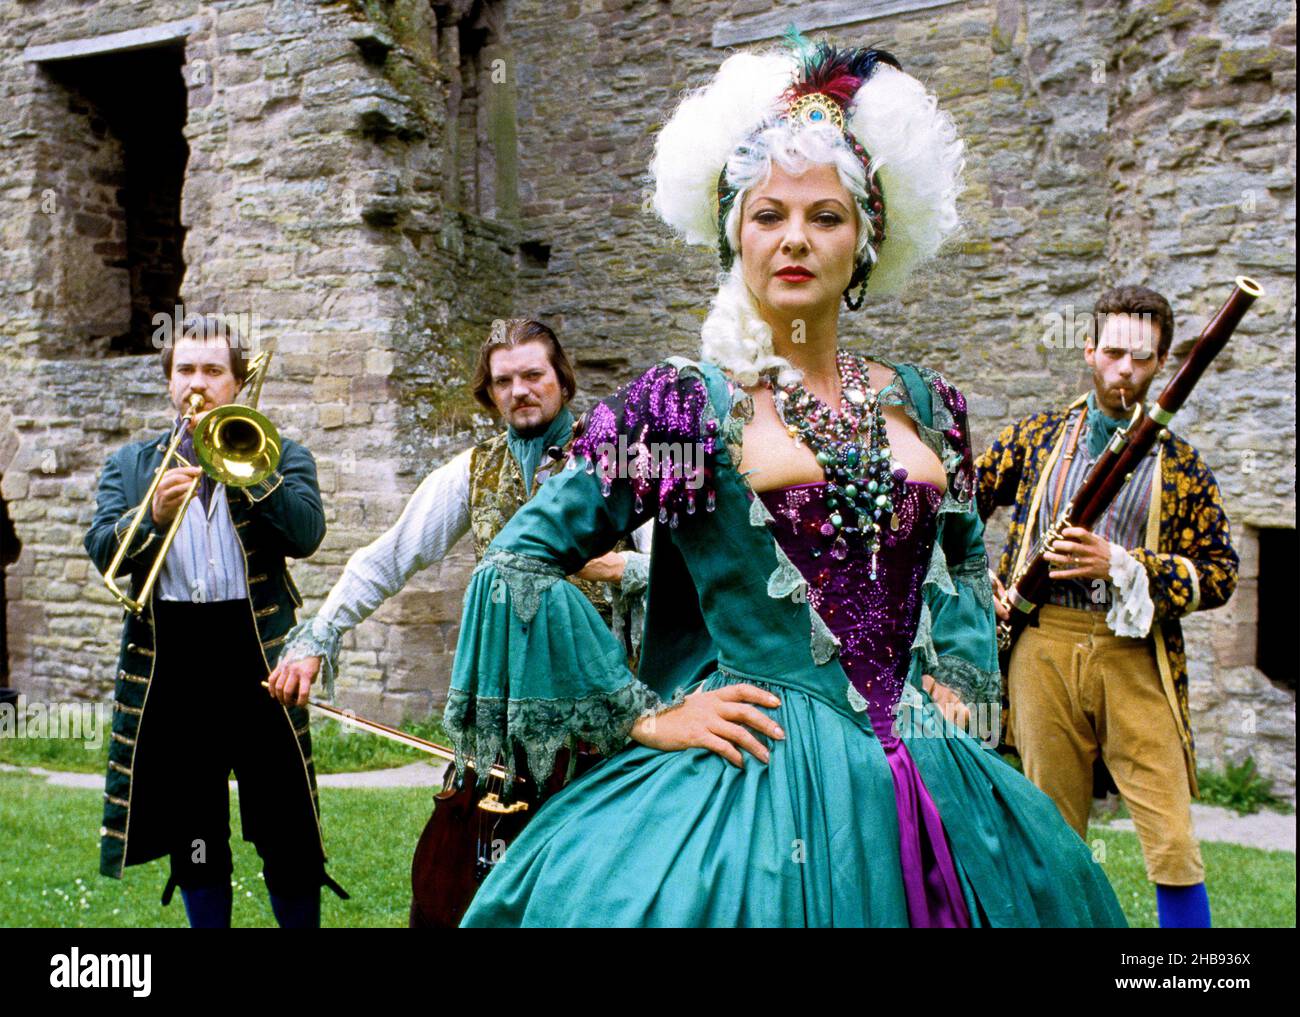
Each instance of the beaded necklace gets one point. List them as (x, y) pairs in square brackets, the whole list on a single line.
[(852, 448)]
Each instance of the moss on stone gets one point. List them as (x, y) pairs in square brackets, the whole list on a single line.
[(1250, 64)]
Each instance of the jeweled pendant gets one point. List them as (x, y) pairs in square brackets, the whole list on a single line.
[(840, 551)]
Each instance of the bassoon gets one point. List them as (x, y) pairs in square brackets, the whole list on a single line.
[(1029, 587)]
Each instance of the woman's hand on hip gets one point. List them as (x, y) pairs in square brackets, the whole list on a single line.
[(722, 721)]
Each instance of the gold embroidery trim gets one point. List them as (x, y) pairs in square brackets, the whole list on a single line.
[(132, 710), (128, 676), (104, 831), (257, 579), (114, 800), (123, 739), (119, 768), (275, 642), (266, 612), (133, 648)]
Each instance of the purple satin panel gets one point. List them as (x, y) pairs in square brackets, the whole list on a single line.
[(875, 622)]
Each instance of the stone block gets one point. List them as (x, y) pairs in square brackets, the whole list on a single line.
[(331, 415)]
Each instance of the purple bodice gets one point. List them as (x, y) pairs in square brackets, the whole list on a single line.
[(873, 608), (874, 620)]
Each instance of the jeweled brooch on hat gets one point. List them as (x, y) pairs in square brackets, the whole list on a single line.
[(816, 109)]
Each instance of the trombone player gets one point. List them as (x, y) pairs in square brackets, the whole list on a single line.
[(202, 633)]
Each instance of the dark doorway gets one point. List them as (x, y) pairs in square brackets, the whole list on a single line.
[(10, 548), (1275, 652), (126, 203)]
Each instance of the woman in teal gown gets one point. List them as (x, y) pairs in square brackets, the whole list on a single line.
[(780, 758)]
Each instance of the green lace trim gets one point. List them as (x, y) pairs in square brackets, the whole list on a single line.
[(488, 729), (315, 637), (966, 678), (636, 574), (924, 639), (627, 600), (931, 434), (975, 577), (526, 579), (787, 581), (973, 684), (938, 574)]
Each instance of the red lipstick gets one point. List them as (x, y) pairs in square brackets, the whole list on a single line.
[(794, 273)]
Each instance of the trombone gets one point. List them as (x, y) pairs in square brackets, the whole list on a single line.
[(235, 445)]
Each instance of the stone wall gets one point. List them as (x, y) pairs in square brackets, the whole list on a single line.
[(379, 180), (314, 210)]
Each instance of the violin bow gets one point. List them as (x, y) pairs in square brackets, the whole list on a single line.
[(374, 727)]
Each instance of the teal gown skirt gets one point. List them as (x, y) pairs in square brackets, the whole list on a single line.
[(654, 838)]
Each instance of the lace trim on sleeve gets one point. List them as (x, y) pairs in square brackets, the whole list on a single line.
[(314, 637), (1132, 609), (490, 728), (524, 578)]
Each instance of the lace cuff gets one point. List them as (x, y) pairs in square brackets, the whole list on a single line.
[(973, 684), (636, 574), (315, 637), (627, 600), (488, 729), (1131, 610)]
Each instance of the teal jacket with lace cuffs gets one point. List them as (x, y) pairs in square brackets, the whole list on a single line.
[(535, 667)]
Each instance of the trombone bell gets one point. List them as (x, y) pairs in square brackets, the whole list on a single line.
[(237, 445)]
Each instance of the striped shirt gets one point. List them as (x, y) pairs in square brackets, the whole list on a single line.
[(206, 560), (1123, 522), (437, 516), (434, 519)]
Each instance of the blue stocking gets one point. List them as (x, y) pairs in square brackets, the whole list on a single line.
[(297, 912), (207, 907), (1183, 907)]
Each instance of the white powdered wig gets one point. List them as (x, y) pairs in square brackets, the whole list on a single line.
[(914, 150)]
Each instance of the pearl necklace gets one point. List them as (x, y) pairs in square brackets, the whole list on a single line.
[(852, 448)]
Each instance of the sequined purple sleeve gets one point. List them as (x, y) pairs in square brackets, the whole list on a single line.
[(658, 434), (958, 435)]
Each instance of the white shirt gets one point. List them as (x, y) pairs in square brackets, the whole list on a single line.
[(437, 516), (206, 560)]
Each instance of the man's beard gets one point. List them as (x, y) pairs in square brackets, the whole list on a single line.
[(535, 430)]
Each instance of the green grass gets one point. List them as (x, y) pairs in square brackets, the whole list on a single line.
[(1249, 888), (335, 749), (49, 841)]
